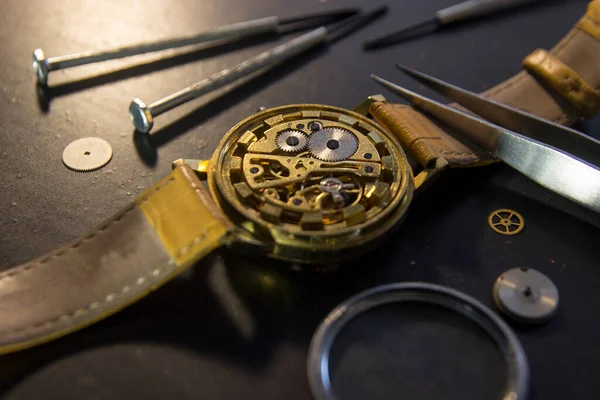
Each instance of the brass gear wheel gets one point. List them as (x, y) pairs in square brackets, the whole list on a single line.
[(506, 222)]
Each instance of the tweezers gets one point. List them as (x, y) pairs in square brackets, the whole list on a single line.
[(557, 157)]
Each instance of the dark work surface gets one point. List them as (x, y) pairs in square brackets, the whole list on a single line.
[(217, 332)]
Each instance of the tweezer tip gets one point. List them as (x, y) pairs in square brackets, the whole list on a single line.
[(404, 68), (381, 80), (390, 85)]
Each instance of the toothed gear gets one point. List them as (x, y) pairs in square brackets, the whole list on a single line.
[(291, 141), (87, 154), (332, 144)]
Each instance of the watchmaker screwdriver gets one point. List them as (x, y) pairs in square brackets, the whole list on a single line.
[(143, 115), (273, 25), (464, 11)]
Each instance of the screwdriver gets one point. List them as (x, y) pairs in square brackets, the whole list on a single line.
[(467, 10)]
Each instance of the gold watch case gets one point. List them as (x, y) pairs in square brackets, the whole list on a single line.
[(311, 183)]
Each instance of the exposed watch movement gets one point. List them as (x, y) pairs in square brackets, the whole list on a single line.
[(311, 179)]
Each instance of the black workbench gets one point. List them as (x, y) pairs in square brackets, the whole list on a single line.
[(235, 328)]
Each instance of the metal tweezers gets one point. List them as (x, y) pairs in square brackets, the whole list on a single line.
[(559, 158)]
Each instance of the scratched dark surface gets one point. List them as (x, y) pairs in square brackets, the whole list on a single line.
[(217, 333)]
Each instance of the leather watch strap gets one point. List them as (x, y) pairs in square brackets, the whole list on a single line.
[(427, 142), (167, 229), (563, 80)]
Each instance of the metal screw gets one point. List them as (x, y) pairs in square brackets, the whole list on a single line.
[(43, 66), (292, 141), (143, 116), (315, 126)]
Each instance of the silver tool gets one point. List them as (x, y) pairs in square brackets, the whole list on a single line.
[(43, 66), (143, 115), (526, 295), (415, 292), (558, 158), (470, 9), (87, 154)]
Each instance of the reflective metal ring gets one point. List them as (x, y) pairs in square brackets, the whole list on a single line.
[(505, 338)]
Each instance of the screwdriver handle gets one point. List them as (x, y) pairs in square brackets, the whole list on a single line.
[(475, 8)]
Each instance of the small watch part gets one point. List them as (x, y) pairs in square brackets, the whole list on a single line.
[(526, 295), (291, 141), (506, 222), (333, 186), (87, 154), (332, 144)]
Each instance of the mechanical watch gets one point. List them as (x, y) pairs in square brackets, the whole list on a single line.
[(310, 184)]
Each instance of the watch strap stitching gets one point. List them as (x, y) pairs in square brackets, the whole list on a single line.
[(44, 261), (96, 304)]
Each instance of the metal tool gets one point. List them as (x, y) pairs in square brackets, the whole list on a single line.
[(558, 158), (526, 295), (43, 66), (467, 10), (415, 292), (143, 115), (87, 154)]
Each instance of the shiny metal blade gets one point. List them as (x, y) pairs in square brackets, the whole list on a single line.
[(553, 134), (550, 167)]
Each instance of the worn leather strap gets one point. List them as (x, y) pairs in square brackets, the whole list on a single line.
[(590, 23), (427, 141), (166, 230), (564, 81)]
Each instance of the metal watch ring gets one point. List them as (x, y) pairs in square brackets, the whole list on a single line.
[(493, 325)]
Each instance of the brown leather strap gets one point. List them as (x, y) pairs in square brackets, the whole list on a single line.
[(112, 266), (581, 52), (426, 141), (564, 81)]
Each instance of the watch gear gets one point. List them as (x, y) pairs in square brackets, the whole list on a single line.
[(87, 154), (291, 141), (332, 144), (506, 222)]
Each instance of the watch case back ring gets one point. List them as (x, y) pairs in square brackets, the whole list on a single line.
[(325, 335)]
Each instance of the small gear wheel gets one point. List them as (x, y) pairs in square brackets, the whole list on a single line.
[(87, 154), (506, 222), (291, 141), (332, 144)]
